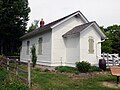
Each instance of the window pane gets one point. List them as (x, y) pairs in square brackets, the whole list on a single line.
[(40, 46), (91, 45), (28, 44)]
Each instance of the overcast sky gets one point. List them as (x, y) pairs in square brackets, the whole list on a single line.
[(104, 12)]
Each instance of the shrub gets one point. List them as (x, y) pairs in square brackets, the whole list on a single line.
[(2, 60), (3, 76), (46, 70), (95, 68), (34, 56), (83, 66), (2, 57), (66, 69)]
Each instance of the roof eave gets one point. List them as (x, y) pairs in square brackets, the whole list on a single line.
[(78, 12), (103, 36), (35, 34)]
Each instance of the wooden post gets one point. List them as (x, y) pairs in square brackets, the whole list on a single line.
[(16, 67), (7, 64), (103, 55), (117, 79), (29, 79), (118, 62), (107, 60), (113, 61)]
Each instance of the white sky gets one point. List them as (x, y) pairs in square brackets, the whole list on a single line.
[(104, 12)]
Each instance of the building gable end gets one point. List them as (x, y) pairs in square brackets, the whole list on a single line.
[(77, 14)]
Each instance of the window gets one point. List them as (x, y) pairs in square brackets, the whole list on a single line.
[(91, 45), (28, 45), (40, 46)]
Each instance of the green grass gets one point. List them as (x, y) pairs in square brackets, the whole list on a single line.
[(42, 80), (67, 69), (9, 82), (59, 81), (2, 76)]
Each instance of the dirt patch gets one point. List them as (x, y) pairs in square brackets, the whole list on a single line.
[(35, 87), (90, 75), (111, 84), (42, 67)]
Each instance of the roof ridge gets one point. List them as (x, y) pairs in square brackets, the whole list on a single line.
[(48, 26), (55, 21), (63, 17)]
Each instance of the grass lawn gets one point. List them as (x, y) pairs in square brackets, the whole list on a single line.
[(8, 82), (60, 81), (42, 80)]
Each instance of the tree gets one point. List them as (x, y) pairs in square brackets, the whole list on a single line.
[(34, 56), (13, 21), (33, 26), (115, 37), (106, 46), (112, 45)]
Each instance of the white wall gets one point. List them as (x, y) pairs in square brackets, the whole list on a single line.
[(45, 58), (58, 42), (72, 50), (64, 51), (84, 46)]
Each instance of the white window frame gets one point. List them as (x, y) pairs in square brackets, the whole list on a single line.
[(91, 45), (40, 41), (28, 47)]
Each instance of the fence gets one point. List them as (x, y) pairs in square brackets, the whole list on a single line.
[(14, 66), (111, 59)]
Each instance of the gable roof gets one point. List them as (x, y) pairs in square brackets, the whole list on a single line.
[(48, 27), (82, 27), (77, 29)]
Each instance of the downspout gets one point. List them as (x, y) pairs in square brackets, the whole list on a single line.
[(97, 46)]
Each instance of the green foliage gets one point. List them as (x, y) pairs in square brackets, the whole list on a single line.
[(14, 86), (66, 69), (3, 76), (46, 70), (2, 57), (58, 81), (107, 46), (34, 56), (112, 45), (95, 68), (83, 66), (7, 82), (37, 69), (2, 60), (13, 22), (33, 26)]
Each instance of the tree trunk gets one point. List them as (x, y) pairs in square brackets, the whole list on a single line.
[(1, 46)]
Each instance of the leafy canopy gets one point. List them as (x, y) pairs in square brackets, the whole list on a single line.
[(13, 22), (112, 45)]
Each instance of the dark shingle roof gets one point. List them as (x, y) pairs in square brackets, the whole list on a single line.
[(47, 27), (78, 29)]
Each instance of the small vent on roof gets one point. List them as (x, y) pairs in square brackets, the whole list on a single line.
[(42, 23)]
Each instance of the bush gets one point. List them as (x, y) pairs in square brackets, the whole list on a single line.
[(34, 56), (83, 66), (3, 76), (66, 69), (2, 57), (2, 60), (46, 70), (95, 68)]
